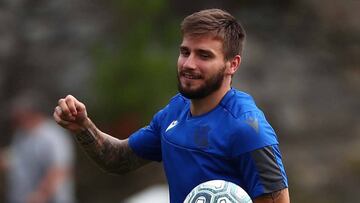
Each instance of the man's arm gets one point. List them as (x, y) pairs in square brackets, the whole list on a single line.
[(281, 196), (262, 170), (111, 154)]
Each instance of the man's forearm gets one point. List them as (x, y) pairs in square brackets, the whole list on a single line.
[(111, 154)]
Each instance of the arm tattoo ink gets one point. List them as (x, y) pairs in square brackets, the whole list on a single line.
[(85, 137), (111, 154)]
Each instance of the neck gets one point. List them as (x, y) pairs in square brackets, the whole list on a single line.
[(206, 104)]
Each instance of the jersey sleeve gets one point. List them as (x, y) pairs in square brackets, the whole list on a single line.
[(252, 132), (257, 155), (262, 171), (146, 142)]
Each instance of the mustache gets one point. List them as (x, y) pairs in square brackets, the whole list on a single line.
[(190, 73)]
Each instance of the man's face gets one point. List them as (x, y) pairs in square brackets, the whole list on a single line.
[(201, 66)]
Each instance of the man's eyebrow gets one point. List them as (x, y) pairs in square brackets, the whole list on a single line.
[(183, 47), (207, 51), (204, 51)]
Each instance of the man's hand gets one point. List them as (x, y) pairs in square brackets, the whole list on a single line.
[(71, 114)]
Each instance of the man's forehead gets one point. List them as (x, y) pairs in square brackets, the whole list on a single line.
[(202, 37), (202, 42)]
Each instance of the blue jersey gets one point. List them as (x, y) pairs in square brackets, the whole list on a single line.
[(232, 142)]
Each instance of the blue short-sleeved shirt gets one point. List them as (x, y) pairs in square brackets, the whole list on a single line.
[(232, 142)]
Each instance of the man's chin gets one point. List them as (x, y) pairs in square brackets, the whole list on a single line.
[(191, 93)]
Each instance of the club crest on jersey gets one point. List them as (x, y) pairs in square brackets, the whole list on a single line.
[(172, 124), (201, 136)]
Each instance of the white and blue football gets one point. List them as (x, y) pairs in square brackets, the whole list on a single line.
[(217, 191)]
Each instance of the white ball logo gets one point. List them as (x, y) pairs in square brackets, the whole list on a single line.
[(217, 191)]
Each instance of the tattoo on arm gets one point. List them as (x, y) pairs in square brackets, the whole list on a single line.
[(111, 154), (85, 137)]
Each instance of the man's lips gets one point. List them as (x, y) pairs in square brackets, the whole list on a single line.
[(191, 76)]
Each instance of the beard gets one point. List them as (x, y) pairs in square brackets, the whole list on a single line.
[(209, 86)]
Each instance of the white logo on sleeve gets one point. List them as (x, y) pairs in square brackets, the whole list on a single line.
[(172, 124)]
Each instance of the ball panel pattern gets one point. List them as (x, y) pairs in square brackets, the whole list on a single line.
[(217, 191)]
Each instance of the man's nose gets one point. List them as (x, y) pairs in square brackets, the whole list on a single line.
[(190, 62)]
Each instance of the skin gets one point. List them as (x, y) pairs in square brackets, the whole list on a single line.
[(201, 58), (203, 55)]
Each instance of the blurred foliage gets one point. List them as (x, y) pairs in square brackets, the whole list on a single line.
[(136, 67)]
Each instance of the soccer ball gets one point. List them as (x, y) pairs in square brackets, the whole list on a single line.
[(217, 191)]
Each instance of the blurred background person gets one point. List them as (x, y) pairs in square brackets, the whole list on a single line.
[(39, 161)]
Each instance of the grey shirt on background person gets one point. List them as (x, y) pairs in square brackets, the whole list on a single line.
[(32, 154)]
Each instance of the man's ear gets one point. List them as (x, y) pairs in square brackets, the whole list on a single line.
[(234, 64)]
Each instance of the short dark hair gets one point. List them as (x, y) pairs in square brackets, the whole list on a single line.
[(219, 23)]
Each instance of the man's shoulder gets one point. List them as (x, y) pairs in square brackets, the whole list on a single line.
[(238, 103), (248, 126)]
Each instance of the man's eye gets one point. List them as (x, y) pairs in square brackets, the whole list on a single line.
[(205, 56), (184, 53)]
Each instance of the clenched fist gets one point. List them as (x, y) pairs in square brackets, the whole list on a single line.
[(71, 114)]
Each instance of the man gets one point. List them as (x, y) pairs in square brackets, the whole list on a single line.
[(208, 131), (40, 157)]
